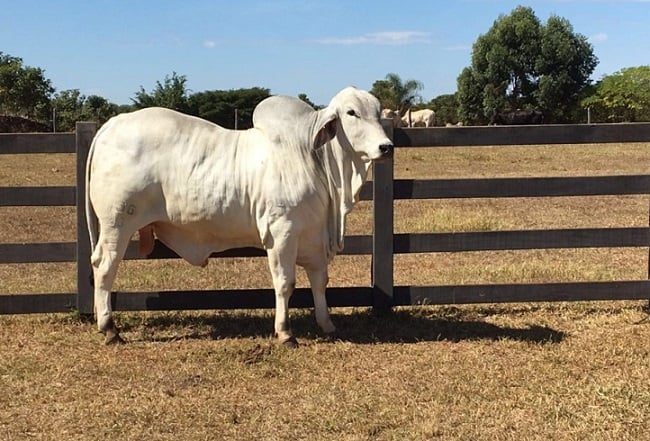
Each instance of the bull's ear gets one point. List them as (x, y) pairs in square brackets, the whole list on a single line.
[(325, 129)]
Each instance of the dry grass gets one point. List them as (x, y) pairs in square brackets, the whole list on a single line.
[(490, 372), (483, 373)]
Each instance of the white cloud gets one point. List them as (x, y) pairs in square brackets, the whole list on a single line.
[(209, 44), (390, 38), (598, 38)]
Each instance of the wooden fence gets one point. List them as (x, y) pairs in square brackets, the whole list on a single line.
[(383, 244)]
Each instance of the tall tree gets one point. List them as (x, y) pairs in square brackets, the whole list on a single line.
[(470, 97), (564, 66), (219, 106), (521, 64), (446, 108), (98, 109), (305, 98), (622, 97), (396, 94), (172, 93), (68, 108), (71, 106), (24, 90)]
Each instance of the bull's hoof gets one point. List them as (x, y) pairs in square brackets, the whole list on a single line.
[(290, 343), (113, 338), (331, 337)]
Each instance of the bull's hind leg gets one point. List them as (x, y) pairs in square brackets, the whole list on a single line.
[(108, 253)]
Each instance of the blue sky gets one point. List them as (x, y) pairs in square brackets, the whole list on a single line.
[(111, 48)]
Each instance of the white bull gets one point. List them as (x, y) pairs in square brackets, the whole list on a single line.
[(286, 186), (420, 118)]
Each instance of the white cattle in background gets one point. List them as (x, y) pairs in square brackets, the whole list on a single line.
[(392, 115), (285, 185), (419, 118)]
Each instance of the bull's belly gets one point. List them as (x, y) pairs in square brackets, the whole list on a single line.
[(221, 228), (195, 242)]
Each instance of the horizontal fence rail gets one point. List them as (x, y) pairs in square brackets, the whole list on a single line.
[(37, 303), (524, 292), (21, 143), (38, 252), (522, 187), (515, 187), (362, 245), (521, 240), (337, 297), (38, 196), (522, 135), (382, 245)]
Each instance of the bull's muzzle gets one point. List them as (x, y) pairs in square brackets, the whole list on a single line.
[(386, 150)]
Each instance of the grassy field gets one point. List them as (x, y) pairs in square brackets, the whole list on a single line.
[(559, 371)]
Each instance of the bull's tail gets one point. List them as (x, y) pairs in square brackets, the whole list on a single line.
[(91, 217)]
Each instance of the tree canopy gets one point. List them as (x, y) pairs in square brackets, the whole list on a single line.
[(446, 108), (621, 97), (305, 98), (24, 90), (219, 106), (71, 106), (522, 64), (172, 93), (396, 94)]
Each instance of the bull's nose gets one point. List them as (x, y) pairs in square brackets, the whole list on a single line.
[(386, 149)]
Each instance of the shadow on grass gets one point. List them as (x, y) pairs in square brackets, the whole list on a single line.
[(362, 327), (405, 327)]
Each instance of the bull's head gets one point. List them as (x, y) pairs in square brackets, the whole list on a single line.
[(353, 116)]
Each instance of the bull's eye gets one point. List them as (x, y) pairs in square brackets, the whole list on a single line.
[(352, 112)]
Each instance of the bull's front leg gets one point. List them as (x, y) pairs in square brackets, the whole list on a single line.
[(318, 279), (282, 262)]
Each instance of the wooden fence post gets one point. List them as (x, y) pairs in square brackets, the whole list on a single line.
[(85, 132), (648, 305), (382, 235)]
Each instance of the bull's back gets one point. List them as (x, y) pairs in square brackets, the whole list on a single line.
[(168, 162), (145, 139)]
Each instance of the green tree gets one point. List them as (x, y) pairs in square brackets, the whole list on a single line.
[(219, 106), (621, 97), (172, 93), (70, 106), (68, 109), (396, 94), (470, 97), (98, 109), (446, 108), (564, 67), (305, 98), (521, 64), (24, 90)]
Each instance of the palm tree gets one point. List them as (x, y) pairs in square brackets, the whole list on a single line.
[(393, 93)]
